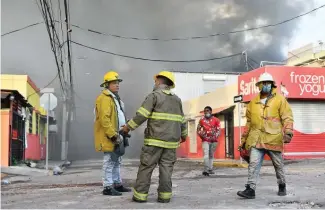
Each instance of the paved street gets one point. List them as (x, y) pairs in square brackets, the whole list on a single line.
[(80, 187)]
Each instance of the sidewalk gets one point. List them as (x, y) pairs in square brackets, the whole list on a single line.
[(230, 163), (39, 170), (219, 163)]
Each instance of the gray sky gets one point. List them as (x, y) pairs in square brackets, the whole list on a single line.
[(28, 51)]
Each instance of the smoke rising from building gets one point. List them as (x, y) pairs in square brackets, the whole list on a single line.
[(28, 51)]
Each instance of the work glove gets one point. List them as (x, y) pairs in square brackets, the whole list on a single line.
[(287, 138), (122, 133), (116, 139)]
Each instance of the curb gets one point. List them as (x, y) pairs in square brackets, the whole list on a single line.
[(220, 164), (230, 165), (3, 175)]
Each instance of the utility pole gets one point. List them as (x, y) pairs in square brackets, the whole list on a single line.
[(70, 92), (64, 124), (246, 61)]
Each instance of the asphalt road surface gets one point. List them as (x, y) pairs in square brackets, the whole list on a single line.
[(80, 187)]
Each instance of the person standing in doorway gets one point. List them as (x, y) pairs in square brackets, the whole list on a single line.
[(269, 125), (109, 117), (209, 130)]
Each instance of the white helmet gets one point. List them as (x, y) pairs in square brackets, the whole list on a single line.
[(265, 77)]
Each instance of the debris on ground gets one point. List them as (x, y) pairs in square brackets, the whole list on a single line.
[(57, 170), (5, 182), (295, 205), (31, 164)]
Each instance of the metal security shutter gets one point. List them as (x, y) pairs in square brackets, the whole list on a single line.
[(309, 130)]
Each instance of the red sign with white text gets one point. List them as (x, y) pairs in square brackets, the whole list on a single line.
[(292, 81)]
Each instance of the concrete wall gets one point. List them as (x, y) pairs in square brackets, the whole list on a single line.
[(309, 55), (221, 97), (192, 85), (5, 120)]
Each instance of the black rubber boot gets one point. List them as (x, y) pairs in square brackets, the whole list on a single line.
[(282, 190), (211, 172), (160, 200), (137, 200), (111, 191), (121, 189), (248, 193), (204, 173)]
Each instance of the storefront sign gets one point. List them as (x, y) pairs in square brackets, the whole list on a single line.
[(238, 99), (292, 82)]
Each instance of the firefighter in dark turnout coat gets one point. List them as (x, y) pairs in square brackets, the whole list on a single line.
[(166, 129)]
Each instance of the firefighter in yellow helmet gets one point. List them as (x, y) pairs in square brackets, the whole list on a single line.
[(269, 125), (166, 129), (109, 117)]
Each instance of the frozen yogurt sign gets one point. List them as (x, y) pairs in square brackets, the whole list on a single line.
[(308, 83), (293, 82)]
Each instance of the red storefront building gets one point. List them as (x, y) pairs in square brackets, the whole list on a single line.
[(304, 88)]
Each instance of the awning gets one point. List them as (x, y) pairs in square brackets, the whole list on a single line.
[(4, 94), (219, 110)]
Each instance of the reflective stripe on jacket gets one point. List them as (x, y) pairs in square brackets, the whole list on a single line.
[(106, 122), (166, 123), (266, 124)]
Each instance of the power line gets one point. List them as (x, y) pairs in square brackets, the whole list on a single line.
[(198, 37), (48, 19), (44, 86), (20, 29), (180, 38), (155, 60)]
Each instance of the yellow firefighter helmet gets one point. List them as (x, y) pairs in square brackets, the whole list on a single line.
[(167, 74), (111, 76)]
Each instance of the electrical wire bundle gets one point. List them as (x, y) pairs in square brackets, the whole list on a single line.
[(55, 41)]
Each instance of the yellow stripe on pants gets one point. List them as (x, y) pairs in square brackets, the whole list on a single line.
[(140, 196), (165, 195)]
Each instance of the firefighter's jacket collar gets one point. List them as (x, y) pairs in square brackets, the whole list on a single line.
[(165, 89)]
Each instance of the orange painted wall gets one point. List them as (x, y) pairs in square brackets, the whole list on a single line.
[(5, 117)]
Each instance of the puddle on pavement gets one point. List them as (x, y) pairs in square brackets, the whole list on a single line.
[(294, 205)]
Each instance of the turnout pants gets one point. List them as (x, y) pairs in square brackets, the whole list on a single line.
[(150, 157), (256, 160), (208, 150)]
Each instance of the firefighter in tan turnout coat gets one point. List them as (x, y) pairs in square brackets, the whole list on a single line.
[(166, 129)]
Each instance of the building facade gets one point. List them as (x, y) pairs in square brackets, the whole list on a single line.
[(302, 82), (32, 117), (194, 84)]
